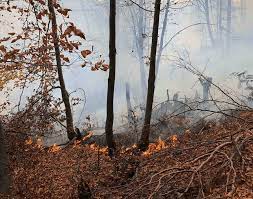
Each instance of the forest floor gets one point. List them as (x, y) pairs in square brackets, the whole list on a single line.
[(216, 163)]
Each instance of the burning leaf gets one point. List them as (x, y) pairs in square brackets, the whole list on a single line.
[(174, 140), (54, 148), (39, 143), (28, 141)]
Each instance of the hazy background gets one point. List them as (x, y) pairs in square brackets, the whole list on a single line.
[(92, 17)]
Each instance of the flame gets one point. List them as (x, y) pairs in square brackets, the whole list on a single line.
[(174, 140), (95, 147), (54, 148), (39, 143), (160, 144), (29, 141), (87, 136), (155, 147)]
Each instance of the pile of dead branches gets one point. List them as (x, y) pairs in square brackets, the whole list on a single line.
[(201, 167)]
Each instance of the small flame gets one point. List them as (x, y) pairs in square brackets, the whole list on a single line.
[(39, 143), (87, 136), (160, 144), (54, 148), (155, 147), (174, 140), (29, 141), (95, 147)]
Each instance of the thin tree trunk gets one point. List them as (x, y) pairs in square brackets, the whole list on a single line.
[(229, 21), (207, 14), (4, 163), (139, 24), (143, 77), (165, 21), (140, 49), (64, 93), (129, 105), (220, 20), (243, 11), (111, 79), (144, 140)]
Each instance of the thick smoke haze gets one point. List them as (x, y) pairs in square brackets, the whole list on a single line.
[(92, 18)]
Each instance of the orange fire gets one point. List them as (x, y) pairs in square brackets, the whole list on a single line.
[(29, 141), (55, 148), (155, 147), (87, 136), (39, 143), (174, 140), (95, 147)]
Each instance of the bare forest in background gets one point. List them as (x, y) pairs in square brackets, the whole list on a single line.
[(126, 99)]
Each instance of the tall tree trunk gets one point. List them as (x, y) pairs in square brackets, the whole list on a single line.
[(140, 49), (243, 11), (207, 14), (4, 163), (64, 93), (164, 28), (229, 24), (129, 105), (111, 79), (144, 140), (219, 21)]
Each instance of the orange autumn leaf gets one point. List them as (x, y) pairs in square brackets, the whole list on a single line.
[(79, 33), (85, 53), (64, 11)]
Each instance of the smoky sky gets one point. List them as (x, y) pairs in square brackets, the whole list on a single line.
[(92, 18)]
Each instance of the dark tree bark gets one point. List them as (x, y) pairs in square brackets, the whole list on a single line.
[(4, 163), (64, 93), (111, 79), (144, 140)]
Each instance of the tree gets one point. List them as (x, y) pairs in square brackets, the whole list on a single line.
[(65, 96), (31, 53), (207, 15), (144, 140), (229, 24), (219, 20), (4, 174), (111, 79), (140, 26), (161, 44)]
